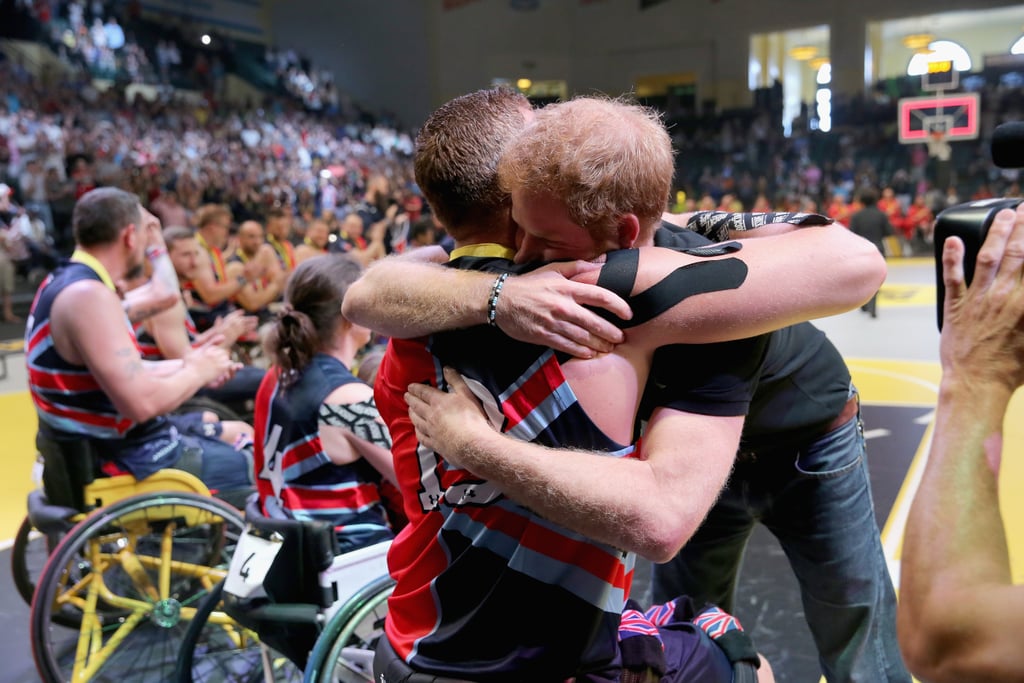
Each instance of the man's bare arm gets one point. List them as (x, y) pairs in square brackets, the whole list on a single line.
[(790, 278), (211, 291), (169, 333), (89, 328), (584, 491), (407, 298), (959, 615)]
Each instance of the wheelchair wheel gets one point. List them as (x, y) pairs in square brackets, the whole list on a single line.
[(28, 556), (217, 649), (344, 651), (132, 574)]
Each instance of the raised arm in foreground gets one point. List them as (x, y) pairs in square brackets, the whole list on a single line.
[(960, 616)]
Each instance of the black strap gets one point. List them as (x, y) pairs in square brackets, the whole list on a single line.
[(715, 225), (619, 276)]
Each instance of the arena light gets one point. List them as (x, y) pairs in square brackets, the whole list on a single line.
[(818, 62), (918, 42), (205, 40), (802, 53), (524, 84)]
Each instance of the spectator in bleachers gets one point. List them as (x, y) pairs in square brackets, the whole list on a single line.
[(254, 253), (314, 242), (32, 183), (279, 236), (7, 268)]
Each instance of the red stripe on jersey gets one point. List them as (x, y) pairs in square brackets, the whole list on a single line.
[(62, 381), (319, 499), (121, 425), (537, 389), (42, 333), (301, 451), (550, 543)]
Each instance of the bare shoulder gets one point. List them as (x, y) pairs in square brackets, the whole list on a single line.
[(82, 314), (353, 392), (84, 299)]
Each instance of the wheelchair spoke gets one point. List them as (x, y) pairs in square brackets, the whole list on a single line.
[(133, 572)]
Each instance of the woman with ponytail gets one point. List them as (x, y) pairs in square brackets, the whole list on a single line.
[(322, 452)]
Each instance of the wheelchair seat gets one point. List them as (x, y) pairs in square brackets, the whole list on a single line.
[(74, 483)]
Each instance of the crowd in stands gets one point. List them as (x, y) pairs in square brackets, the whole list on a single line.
[(319, 159)]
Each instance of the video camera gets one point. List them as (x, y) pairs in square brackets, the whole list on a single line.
[(970, 221)]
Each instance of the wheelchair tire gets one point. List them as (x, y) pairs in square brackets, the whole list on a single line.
[(744, 672), (131, 574), (29, 554), (198, 404), (211, 653), (28, 557), (344, 651)]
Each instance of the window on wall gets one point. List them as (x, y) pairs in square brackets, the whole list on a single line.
[(939, 50), (823, 97)]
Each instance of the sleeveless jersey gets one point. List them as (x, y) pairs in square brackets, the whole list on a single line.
[(285, 252), (470, 556), (203, 313), (70, 402), (295, 477)]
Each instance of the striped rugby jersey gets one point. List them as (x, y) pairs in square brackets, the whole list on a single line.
[(487, 589), (70, 402), (295, 477)]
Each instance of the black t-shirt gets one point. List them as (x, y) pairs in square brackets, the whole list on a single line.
[(790, 382)]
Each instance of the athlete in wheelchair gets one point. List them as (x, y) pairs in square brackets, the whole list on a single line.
[(319, 529), (127, 572)]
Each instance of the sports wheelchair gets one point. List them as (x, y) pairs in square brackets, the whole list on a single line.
[(63, 468), (126, 562), (292, 608)]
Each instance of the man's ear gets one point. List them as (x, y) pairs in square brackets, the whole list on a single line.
[(629, 230), (130, 234)]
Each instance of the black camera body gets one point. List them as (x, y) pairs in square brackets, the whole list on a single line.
[(970, 222)]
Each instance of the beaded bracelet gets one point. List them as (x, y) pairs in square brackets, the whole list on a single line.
[(492, 302)]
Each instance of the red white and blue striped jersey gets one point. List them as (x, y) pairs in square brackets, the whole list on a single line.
[(294, 475), (70, 402), (487, 589)]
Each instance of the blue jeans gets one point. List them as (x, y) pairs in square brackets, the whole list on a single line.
[(816, 500)]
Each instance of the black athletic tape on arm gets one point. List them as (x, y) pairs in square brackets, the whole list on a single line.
[(715, 225), (361, 418), (619, 275)]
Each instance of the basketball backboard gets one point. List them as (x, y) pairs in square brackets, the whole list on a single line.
[(955, 116)]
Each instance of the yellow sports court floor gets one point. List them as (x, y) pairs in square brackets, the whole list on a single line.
[(893, 359)]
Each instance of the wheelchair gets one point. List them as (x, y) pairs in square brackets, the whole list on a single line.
[(62, 469), (292, 608), (126, 562)]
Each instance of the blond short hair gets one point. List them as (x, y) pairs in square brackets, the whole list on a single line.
[(602, 157)]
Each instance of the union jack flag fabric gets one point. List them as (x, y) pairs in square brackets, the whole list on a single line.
[(716, 623)]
